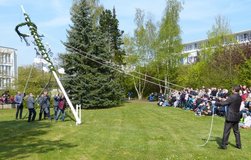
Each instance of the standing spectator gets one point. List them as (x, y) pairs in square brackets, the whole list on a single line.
[(61, 108), (232, 118), (40, 98), (48, 104), (129, 95), (19, 101), (30, 105), (55, 104), (44, 105)]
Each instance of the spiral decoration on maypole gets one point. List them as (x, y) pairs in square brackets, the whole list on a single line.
[(38, 40)]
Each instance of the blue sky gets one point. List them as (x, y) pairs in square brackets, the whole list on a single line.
[(52, 18)]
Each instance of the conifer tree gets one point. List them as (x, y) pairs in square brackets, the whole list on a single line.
[(88, 78)]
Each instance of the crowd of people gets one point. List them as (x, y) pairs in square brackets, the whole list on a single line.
[(202, 101), (6, 98), (44, 103)]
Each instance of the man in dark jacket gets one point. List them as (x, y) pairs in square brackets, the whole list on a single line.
[(232, 119), (44, 102)]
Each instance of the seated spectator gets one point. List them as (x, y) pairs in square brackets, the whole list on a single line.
[(160, 102), (6, 97), (200, 109), (151, 97), (165, 103), (247, 121), (190, 102), (208, 110)]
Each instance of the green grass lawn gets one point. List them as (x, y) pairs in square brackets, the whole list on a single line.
[(136, 130)]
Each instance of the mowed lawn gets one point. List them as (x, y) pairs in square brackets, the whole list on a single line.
[(137, 130)]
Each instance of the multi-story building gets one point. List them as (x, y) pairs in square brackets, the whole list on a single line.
[(8, 67), (192, 49)]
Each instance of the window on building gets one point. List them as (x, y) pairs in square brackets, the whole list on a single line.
[(8, 58), (8, 70), (190, 60), (245, 36), (8, 82), (3, 82), (1, 70), (1, 58)]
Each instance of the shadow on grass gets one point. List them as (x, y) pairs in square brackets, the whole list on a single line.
[(19, 139), (218, 140)]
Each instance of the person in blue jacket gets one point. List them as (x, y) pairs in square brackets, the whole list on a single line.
[(19, 101)]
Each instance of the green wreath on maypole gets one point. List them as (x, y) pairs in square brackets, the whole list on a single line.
[(38, 41)]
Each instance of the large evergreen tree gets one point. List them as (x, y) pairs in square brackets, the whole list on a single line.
[(87, 79), (109, 26)]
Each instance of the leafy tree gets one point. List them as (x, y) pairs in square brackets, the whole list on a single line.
[(223, 61), (219, 60), (243, 70), (36, 83), (140, 50), (169, 46), (215, 64)]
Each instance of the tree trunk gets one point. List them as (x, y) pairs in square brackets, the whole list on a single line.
[(139, 96), (158, 73), (165, 90), (140, 87)]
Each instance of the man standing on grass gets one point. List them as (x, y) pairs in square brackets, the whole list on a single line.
[(232, 119), (44, 108), (30, 105), (19, 101)]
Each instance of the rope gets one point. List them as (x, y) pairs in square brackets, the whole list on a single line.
[(77, 51), (114, 65), (26, 84), (210, 131), (47, 84)]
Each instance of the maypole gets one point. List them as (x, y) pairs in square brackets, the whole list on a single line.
[(42, 51)]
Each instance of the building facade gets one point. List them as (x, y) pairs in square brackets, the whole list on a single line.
[(192, 49), (8, 67)]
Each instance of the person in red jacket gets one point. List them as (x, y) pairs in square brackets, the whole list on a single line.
[(61, 108)]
